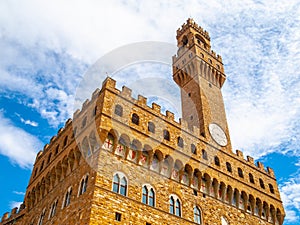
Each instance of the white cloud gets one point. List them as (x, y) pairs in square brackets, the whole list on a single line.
[(18, 145), (19, 193), (290, 195), (27, 122)]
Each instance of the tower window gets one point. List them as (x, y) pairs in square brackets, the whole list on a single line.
[(180, 142), (135, 119), (83, 185), (228, 166), (83, 123), (42, 217), (119, 110), (193, 149), (148, 196), (53, 209), (175, 206), (66, 141), (166, 135), (204, 154), (120, 184), (251, 179), (68, 197), (217, 161), (189, 94), (261, 183), (197, 215), (151, 127), (240, 172), (57, 149), (118, 216), (271, 188), (184, 40)]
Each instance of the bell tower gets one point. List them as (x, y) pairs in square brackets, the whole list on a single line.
[(199, 73)]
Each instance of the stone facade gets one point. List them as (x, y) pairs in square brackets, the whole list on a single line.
[(120, 161)]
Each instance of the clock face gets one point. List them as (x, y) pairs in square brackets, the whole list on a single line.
[(217, 134)]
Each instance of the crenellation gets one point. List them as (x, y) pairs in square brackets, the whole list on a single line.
[(126, 92), (45, 147), (96, 94), (142, 100), (271, 172), (14, 211), (109, 83), (60, 131), (260, 165), (170, 115), (250, 159), (156, 108), (239, 154), (85, 104), (76, 113), (5, 216)]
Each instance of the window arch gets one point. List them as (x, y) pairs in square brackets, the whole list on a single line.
[(193, 149), (180, 142), (240, 172), (197, 215), (151, 127), (53, 209), (135, 119), (251, 179), (261, 183), (67, 199), (166, 135), (271, 188), (119, 110), (228, 166), (83, 123), (204, 154), (217, 161), (65, 141), (148, 196), (120, 184), (42, 216), (83, 185), (175, 205)]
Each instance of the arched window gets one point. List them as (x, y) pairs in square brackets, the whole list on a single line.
[(151, 127), (204, 154), (42, 216), (193, 149), (66, 141), (217, 161), (180, 142), (175, 205), (67, 200), (148, 195), (135, 119), (42, 166), (120, 184), (166, 135), (83, 123), (240, 172), (49, 158), (228, 166), (261, 183), (109, 142), (119, 110), (95, 111), (197, 215), (271, 188), (57, 149), (53, 209), (83, 185), (251, 179)]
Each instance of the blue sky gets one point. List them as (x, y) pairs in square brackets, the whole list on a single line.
[(46, 48)]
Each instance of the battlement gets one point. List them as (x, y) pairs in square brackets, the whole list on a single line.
[(191, 23), (14, 214)]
